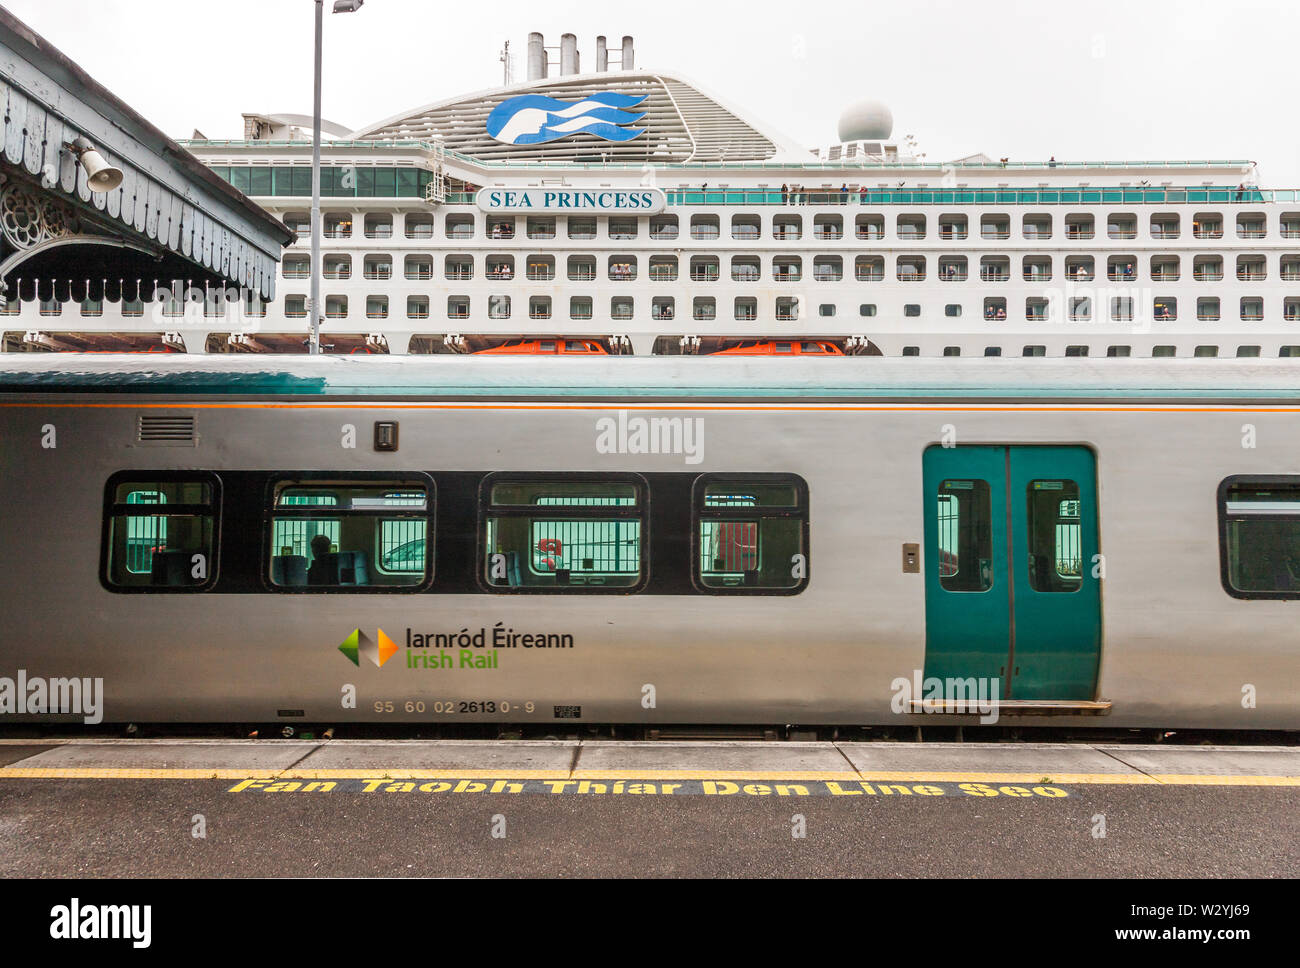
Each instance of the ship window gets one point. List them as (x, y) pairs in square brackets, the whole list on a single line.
[(1119, 351), (751, 534), (1036, 350), (867, 309), (1248, 351), (161, 533), (549, 533), (826, 309), (1079, 350), (911, 351), (912, 309), (993, 351), (952, 351), (1164, 351), (952, 309), (1206, 351)]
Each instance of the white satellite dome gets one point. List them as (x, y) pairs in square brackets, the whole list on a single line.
[(866, 121)]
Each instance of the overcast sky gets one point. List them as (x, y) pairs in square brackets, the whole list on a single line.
[(1090, 79)]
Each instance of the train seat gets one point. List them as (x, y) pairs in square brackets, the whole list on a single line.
[(171, 568), (340, 568), (289, 570)]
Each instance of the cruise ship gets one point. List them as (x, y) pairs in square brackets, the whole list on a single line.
[(631, 211)]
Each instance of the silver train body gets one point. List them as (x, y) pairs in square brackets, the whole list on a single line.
[(1176, 649)]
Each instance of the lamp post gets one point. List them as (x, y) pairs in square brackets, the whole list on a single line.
[(340, 6)]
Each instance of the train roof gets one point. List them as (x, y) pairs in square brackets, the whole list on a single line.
[(672, 378)]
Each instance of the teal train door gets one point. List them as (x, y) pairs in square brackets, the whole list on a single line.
[(1010, 593)]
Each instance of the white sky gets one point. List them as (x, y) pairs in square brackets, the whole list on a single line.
[(1084, 80)]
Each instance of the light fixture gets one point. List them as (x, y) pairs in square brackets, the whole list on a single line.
[(347, 6), (100, 175)]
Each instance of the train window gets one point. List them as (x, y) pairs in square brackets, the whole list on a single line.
[(1053, 524), (351, 535), (563, 534), (160, 532), (1259, 522), (965, 516), (751, 533)]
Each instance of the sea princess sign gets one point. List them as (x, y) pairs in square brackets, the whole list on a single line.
[(624, 201)]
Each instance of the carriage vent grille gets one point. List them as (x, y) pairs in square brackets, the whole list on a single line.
[(167, 430)]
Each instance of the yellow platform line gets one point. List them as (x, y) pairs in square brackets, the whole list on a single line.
[(397, 773)]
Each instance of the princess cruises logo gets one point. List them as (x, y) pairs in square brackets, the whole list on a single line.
[(534, 119)]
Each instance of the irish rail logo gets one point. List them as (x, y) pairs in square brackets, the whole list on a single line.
[(534, 119), (358, 644)]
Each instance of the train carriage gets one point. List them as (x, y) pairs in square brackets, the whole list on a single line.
[(706, 541)]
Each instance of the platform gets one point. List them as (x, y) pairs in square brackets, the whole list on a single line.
[(523, 808)]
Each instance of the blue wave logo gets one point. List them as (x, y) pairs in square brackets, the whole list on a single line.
[(534, 119)]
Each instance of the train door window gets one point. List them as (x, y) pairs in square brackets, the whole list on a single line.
[(1054, 534), (160, 532), (1259, 525), (348, 534), (545, 533), (965, 516), (751, 533)]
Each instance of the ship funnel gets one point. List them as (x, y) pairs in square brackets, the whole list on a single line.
[(568, 54), (602, 56), (536, 57), (629, 56)]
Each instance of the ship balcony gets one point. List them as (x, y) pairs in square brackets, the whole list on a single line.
[(1207, 233), (1251, 275), (580, 314), (1167, 275), (911, 275), (868, 233), (703, 275), (1208, 275), (869, 275), (379, 227), (995, 233), (378, 270), (994, 275), (377, 307), (705, 315), (1037, 275), (828, 275), (541, 275), (1210, 316), (827, 235), (336, 307), (663, 274), (417, 307), (663, 235)]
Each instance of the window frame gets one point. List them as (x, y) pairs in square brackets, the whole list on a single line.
[(1237, 480), (380, 479), (486, 510), (110, 511), (800, 511)]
